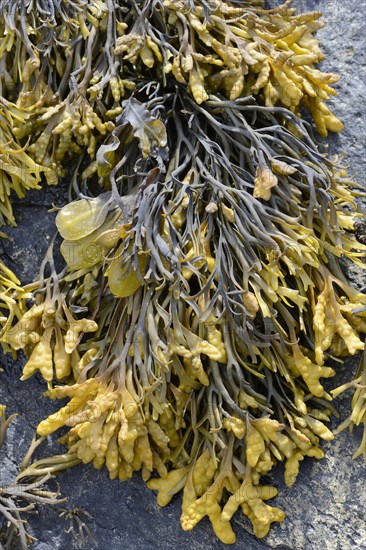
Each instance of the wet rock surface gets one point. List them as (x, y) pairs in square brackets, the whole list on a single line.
[(326, 507)]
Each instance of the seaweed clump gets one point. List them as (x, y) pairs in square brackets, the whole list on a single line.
[(66, 67), (202, 298), (201, 303), (22, 496)]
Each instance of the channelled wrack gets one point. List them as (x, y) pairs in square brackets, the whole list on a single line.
[(201, 302), (202, 297)]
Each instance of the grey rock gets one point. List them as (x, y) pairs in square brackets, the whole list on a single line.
[(326, 507)]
